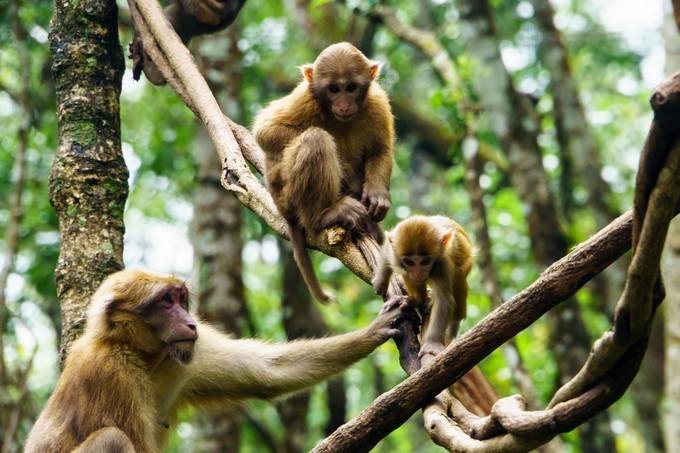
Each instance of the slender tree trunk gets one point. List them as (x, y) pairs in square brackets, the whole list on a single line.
[(513, 120), (578, 147), (217, 231), (492, 287), (89, 179), (302, 319), (671, 271), (9, 405), (573, 133)]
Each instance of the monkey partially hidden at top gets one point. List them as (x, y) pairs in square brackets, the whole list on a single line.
[(328, 147), (429, 251), (189, 18)]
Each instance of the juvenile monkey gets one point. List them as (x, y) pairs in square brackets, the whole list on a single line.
[(143, 357), (328, 147), (429, 251), (189, 18)]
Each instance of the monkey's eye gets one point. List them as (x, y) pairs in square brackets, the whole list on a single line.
[(408, 262), (333, 88), (426, 262), (167, 301), (351, 87)]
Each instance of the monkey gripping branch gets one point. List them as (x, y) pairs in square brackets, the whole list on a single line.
[(615, 357)]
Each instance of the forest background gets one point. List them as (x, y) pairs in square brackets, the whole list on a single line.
[(583, 72)]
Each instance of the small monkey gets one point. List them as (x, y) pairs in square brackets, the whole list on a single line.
[(328, 147), (189, 18), (143, 357), (430, 251)]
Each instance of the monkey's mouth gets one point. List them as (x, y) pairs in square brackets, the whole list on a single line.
[(344, 118)]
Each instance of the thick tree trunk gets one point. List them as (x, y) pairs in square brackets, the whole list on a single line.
[(88, 183), (217, 232), (513, 120)]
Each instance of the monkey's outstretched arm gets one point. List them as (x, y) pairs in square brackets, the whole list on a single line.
[(240, 369)]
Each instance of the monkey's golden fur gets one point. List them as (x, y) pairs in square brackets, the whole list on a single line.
[(447, 245), (120, 388), (328, 147)]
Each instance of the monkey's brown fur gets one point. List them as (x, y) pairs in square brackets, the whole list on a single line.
[(121, 387), (440, 250), (328, 147)]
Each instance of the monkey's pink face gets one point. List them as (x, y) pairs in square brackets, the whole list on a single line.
[(176, 328), (418, 268)]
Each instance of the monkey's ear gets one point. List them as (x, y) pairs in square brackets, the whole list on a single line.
[(390, 237), (375, 69), (307, 71), (446, 240)]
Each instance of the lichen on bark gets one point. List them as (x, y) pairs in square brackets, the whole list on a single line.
[(88, 182)]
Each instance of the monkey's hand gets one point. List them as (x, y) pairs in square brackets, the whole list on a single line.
[(430, 347), (383, 325), (377, 202)]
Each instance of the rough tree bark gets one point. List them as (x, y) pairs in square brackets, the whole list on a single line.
[(88, 183)]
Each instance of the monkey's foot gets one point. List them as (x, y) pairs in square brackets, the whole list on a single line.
[(348, 212), (430, 347)]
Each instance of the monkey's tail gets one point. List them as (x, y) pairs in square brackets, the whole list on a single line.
[(297, 238)]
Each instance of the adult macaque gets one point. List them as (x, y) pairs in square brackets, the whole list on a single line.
[(142, 357), (433, 251), (328, 147), (189, 18)]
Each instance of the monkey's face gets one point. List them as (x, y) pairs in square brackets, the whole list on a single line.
[(344, 100), (174, 326), (417, 267)]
